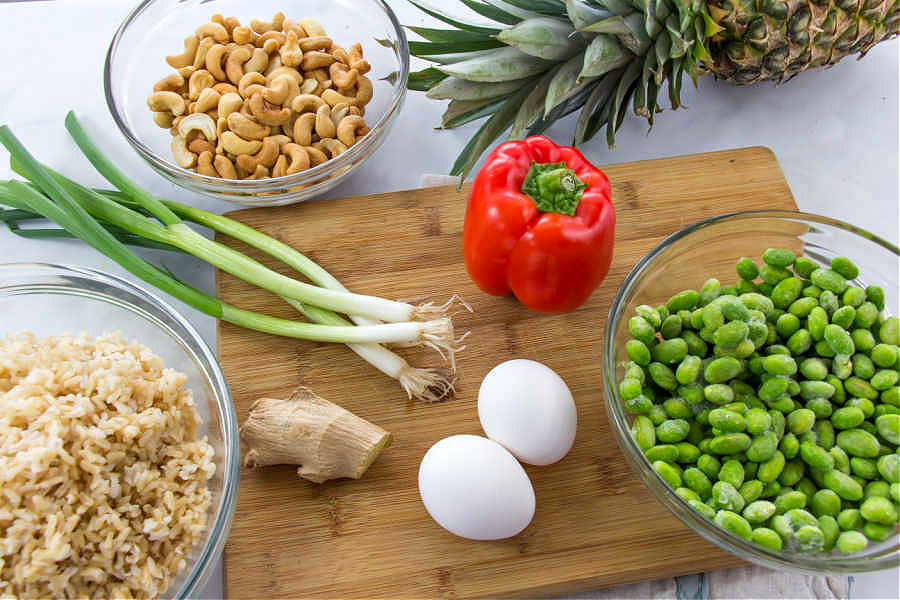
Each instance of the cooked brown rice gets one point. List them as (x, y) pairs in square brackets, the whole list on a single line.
[(103, 482)]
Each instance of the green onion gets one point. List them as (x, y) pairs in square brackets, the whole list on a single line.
[(57, 202)]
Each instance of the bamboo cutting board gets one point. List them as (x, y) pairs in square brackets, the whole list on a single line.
[(595, 525)]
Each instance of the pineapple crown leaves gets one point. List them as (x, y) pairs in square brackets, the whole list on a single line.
[(545, 59)]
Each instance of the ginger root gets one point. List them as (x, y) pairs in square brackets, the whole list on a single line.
[(327, 441)]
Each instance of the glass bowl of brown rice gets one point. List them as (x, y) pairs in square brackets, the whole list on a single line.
[(119, 455)]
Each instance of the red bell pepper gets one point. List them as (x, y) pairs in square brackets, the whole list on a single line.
[(540, 224)]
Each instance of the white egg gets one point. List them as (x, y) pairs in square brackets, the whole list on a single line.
[(475, 489), (527, 408)]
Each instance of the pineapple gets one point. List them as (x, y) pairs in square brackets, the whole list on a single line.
[(546, 59)]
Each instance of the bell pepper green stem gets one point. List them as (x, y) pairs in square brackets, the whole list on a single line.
[(553, 187)]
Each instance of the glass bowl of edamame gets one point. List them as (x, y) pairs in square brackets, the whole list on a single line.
[(751, 371)]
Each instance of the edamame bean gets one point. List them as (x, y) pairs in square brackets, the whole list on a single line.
[(884, 379), (759, 511), (641, 329), (788, 501), (671, 327), (844, 317), (829, 279), (762, 447), (684, 300), (811, 390), (780, 364), (758, 421), (878, 532), (889, 467), (734, 523), (712, 316), (688, 453), (725, 496), (662, 375), (731, 334), (732, 472), (804, 266), (638, 352), (722, 369), (878, 510), (718, 393), (876, 296), (851, 542), (816, 457), (695, 344), (884, 355), (825, 502), (643, 432), (845, 267), (786, 325), (831, 531), (771, 469), (809, 538), (825, 434), (709, 465), (790, 445), (841, 365), (729, 443), (726, 420), (800, 342), (710, 291), (703, 508), (670, 352), (889, 428), (800, 420), (792, 473), (802, 307), (863, 467), (829, 301), (853, 296), (662, 452), (858, 442), (839, 340), (866, 315), (751, 489), (786, 292), (757, 301), (889, 333), (767, 538), (850, 519), (843, 485), (863, 367), (862, 339), (747, 269), (778, 257)]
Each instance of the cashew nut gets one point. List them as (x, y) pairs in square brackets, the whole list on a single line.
[(364, 90), (355, 110), (342, 76), (338, 112), (324, 125), (246, 128), (186, 58), (252, 83), (282, 90), (242, 35), (311, 27), (280, 167), (266, 156), (332, 97), (200, 56), (281, 140), (234, 64), (207, 100), (272, 75), (266, 113), (271, 35), (167, 101), (205, 164), (201, 122), (213, 61), (264, 27), (164, 119), (231, 23), (225, 88), (290, 25), (316, 156), (229, 103), (200, 146), (270, 46), (214, 30), (234, 144), (340, 54), (183, 157), (173, 82), (221, 126), (309, 86), (318, 42), (260, 173), (299, 158), (334, 147), (307, 103), (198, 82), (291, 54), (314, 60), (187, 71), (303, 128), (258, 61), (350, 128), (224, 167), (356, 59)]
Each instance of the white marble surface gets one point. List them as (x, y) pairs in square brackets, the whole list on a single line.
[(835, 133)]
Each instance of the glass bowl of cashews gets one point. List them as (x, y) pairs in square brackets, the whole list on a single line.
[(258, 103)]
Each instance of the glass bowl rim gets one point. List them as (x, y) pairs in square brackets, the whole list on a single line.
[(212, 371), (699, 524), (346, 159)]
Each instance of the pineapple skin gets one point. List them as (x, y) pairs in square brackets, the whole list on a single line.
[(774, 40)]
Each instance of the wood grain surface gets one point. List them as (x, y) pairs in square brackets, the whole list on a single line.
[(595, 525)]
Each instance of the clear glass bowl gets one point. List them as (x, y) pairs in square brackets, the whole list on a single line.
[(52, 299), (157, 28), (710, 248)]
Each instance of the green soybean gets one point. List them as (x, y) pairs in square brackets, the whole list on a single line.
[(662, 375), (831, 531), (734, 523), (839, 340), (670, 352), (730, 443), (747, 269), (668, 473), (684, 300), (878, 532), (829, 279), (732, 472), (725, 496), (851, 542), (643, 432), (767, 538), (845, 267), (844, 317), (780, 364), (722, 369), (843, 485), (889, 467), (858, 442), (662, 452), (671, 327), (816, 456), (889, 428), (849, 519)]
